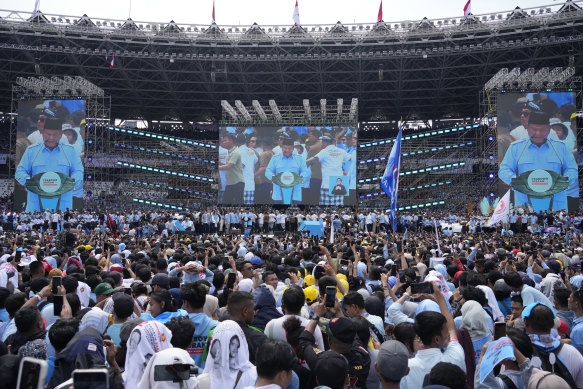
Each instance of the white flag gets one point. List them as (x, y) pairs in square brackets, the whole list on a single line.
[(331, 231), (36, 5), (502, 210), (468, 8), (296, 15), (437, 237)]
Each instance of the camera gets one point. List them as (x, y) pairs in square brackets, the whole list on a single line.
[(175, 373)]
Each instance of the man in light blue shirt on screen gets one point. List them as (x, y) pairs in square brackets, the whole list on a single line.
[(50, 156), (287, 161), (538, 155)]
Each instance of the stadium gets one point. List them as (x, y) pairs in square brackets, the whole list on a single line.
[(157, 96)]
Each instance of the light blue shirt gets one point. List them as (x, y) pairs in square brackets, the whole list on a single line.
[(39, 159), (577, 333), (525, 156), (295, 164)]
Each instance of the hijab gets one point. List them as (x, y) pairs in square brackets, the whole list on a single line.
[(228, 355), (170, 356), (145, 340), (95, 318), (541, 379), (474, 320)]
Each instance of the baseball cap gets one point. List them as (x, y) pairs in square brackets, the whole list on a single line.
[(128, 327), (256, 261), (393, 360), (340, 328), (553, 265), (160, 279), (123, 305), (104, 288), (311, 294), (309, 280), (528, 310), (328, 364), (325, 138)]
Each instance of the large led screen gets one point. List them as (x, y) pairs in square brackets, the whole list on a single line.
[(537, 150), (49, 148), (310, 165)]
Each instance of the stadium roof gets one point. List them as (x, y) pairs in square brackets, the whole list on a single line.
[(423, 69)]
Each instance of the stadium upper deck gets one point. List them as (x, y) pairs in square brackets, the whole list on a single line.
[(414, 69)]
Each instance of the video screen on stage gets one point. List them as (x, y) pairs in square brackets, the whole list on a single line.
[(537, 150), (49, 151), (311, 165)]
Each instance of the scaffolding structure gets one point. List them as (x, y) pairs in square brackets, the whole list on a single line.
[(436, 165)]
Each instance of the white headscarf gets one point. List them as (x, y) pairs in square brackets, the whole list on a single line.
[(169, 356), (474, 320), (145, 340), (95, 318), (492, 303), (228, 355)]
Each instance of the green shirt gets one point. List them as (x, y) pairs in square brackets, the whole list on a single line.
[(234, 175)]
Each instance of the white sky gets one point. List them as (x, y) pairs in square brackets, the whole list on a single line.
[(269, 12)]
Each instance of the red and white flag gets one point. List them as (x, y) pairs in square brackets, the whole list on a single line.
[(296, 15), (468, 8), (112, 61), (214, 21), (380, 15), (502, 210)]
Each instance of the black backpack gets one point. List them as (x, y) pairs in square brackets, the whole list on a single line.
[(558, 367)]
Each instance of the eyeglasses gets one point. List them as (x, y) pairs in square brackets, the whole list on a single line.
[(247, 268)]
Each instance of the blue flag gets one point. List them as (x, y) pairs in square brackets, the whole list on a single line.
[(390, 180)]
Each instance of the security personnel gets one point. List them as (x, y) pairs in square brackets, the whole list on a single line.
[(50, 156), (287, 161), (334, 161), (539, 153)]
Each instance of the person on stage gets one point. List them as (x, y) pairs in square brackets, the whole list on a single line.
[(538, 168), (233, 169), (62, 167), (287, 162)]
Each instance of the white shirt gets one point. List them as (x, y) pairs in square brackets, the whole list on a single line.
[(249, 159), (274, 329), (332, 158), (426, 359), (573, 361)]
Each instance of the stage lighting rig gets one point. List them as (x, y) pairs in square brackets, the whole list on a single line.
[(275, 110), (259, 109)]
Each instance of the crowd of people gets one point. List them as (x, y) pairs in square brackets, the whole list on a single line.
[(239, 298), (322, 161)]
